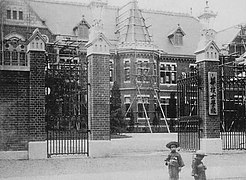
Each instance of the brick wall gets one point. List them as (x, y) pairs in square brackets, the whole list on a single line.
[(99, 109), (22, 102), (37, 96), (210, 123), (14, 116)]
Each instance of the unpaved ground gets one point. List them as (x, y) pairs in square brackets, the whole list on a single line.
[(131, 165), (138, 158)]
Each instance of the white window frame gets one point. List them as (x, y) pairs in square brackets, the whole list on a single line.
[(128, 69), (140, 100), (126, 102), (111, 70), (172, 73), (143, 66)]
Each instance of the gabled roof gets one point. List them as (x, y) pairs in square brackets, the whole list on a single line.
[(225, 37), (81, 23), (99, 35), (162, 23), (203, 46), (178, 29), (35, 34)]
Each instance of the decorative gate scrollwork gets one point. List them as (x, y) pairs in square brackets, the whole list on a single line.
[(66, 103)]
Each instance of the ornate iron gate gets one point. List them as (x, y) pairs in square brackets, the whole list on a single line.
[(188, 120), (66, 103), (233, 97)]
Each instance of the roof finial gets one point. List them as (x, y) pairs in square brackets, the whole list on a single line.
[(207, 3)]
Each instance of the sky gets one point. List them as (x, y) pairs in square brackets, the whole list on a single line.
[(229, 12)]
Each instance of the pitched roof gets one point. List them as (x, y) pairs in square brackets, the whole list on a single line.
[(177, 29), (35, 33), (131, 24), (204, 45), (162, 23), (224, 37)]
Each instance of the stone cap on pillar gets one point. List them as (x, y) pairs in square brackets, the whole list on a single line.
[(99, 45), (207, 51), (36, 42)]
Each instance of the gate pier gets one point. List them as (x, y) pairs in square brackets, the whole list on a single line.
[(37, 144), (207, 59)]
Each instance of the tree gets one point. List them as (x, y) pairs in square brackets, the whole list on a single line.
[(172, 111), (131, 122), (117, 123)]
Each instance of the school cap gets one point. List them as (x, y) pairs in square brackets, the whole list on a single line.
[(201, 153), (172, 143)]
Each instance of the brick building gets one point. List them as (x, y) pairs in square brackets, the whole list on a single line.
[(144, 51)]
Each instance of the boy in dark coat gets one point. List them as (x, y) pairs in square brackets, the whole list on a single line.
[(198, 168), (174, 161)]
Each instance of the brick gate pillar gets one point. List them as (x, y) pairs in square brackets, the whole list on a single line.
[(207, 59), (99, 87), (37, 147)]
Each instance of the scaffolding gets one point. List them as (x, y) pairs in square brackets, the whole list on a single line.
[(2, 8), (239, 41), (147, 82), (131, 25)]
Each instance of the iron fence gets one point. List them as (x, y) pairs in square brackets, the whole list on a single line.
[(232, 103), (67, 135), (66, 107), (189, 134), (188, 120)]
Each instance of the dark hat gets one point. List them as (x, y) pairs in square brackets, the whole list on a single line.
[(200, 153), (172, 143)]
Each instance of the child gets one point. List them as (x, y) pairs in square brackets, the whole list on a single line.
[(198, 168), (174, 161)]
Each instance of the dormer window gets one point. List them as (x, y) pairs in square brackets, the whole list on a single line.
[(176, 36), (14, 14), (178, 39), (83, 32), (82, 29)]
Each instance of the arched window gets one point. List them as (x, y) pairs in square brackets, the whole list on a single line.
[(13, 46)]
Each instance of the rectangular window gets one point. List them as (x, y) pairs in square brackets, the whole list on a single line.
[(6, 58), (1, 58), (15, 58), (111, 70), (164, 105), (143, 103), (127, 70), (143, 70), (8, 14), (127, 106), (155, 73), (178, 39), (192, 68), (14, 14), (23, 59), (168, 73), (20, 15)]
